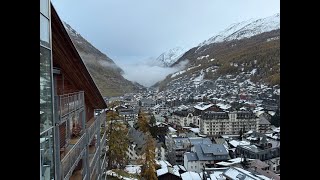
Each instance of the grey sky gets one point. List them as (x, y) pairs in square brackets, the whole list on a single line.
[(133, 30)]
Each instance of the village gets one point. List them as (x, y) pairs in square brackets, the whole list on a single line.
[(219, 129)]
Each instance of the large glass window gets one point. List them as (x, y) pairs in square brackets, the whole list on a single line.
[(44, 7), (46, 155), (44, 31), (45, 90)]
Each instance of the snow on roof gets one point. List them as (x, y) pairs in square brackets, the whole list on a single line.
[(163, 163), (230, 162), (195, 130), (217, 175), (162, 171), (276, 129), (243, 108), (172, 129), (272, 113), (133, 169), (224, 106), (202, 106), (238, 173), (183, 107), (191, 176), (235, 143), (258, 113)]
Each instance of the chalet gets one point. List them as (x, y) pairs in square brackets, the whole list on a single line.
[(68, 99)]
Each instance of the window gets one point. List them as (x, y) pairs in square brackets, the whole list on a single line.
[(44, 7), (45, 90), (44, 31)]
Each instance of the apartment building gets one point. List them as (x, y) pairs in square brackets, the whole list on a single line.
[(185, 118), (72, 137), (217, 123)]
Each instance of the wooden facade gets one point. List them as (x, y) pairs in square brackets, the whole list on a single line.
[(68, 60), (70, 75)]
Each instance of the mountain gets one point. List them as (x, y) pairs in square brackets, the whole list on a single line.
[(105, 73), (169, 57), (245, 29), (246, 50)]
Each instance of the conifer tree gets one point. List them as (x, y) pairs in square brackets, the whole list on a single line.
[(148, 170), (118, 141), (142, 122)]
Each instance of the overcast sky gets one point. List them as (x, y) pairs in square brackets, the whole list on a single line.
[(133, 30)]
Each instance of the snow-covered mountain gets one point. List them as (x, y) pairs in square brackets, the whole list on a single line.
[(169, 57), (245, 50), (245, 29)]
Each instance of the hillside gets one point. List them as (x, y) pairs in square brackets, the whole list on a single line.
[(105, 73), (258, 56), (169, 57), (256, 53)]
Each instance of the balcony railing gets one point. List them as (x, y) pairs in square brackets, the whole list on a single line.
[(103, 139), (94, 162), (68, 103), (95, 126), (103, 164), (92, 130), (69, 162)]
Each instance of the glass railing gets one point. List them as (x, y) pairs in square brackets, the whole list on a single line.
[(69, 162)]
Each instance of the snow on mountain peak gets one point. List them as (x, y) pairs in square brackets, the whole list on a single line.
[(70, 30), (245, 29), (171, 56)]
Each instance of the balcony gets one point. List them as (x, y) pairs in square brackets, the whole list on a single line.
[(68, 103), (103, 139), (93, 161), (72, 157), (103, 162), (94, 125)]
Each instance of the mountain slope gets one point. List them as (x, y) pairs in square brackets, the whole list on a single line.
[(250, 48), (105, 73), (169, 57), (245, 29)]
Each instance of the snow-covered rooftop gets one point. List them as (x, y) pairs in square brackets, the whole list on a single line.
[(235, 143), (191, 176), (202, 106)]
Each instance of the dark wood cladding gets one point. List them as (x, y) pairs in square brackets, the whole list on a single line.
[(66, 57)]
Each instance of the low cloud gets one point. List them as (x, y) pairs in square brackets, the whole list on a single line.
[(147, 74), (108, 64)]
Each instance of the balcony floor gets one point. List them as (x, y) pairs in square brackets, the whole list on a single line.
[(88, 123), (72, 142)]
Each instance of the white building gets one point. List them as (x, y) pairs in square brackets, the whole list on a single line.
[(213, 123), (185, 118)]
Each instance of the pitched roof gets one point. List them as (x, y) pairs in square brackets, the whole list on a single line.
[(66, 56), (191, 156)]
